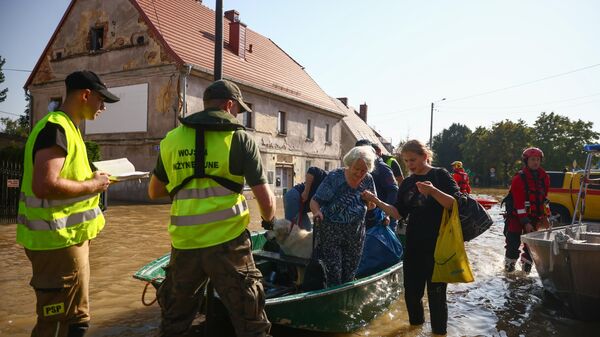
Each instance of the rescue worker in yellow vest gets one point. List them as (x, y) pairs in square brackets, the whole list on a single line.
[(202, 166), (58, 208)]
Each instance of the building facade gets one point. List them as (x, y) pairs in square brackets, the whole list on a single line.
[(158, 57)]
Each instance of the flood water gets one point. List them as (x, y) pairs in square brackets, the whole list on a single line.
[(495, 304)]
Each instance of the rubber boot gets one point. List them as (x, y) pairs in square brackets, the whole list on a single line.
[(509, 265), (526, 266), (78, 329)]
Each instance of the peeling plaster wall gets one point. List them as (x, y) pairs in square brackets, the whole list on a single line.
[(130, 54), (124, 61)]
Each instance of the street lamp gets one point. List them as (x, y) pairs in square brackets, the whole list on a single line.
[(431, 122)]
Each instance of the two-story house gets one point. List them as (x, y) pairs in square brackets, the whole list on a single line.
[(158, 57)]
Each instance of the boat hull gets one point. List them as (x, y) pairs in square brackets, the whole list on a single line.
[(570, 269), (344, 308)]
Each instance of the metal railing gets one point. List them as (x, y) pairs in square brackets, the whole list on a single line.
[(10, 186)]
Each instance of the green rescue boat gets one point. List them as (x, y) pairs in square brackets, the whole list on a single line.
[(343, 308)]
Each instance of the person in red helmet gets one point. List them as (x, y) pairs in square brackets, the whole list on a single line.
[(529, 211), (461, 177)]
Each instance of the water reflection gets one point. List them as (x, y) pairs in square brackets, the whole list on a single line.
[(495, 304)]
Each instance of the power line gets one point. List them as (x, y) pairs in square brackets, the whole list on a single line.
[(21, 70), (450, 107), (524, 83), (497, 90), (10, 113)]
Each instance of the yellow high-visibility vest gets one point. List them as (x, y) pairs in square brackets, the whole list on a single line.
[(46, 224), (204, 213)]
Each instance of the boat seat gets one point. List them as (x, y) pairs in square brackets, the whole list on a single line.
[(278, 257), (273, 290)]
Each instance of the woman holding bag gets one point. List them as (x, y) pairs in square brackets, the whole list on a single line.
[(422, 198)]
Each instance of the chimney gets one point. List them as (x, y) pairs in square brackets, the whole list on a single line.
[(344, 100), (237, 33), (363, 112)]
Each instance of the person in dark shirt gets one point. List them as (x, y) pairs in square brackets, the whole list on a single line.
[(422, 198), (386, 186), (297, 200)]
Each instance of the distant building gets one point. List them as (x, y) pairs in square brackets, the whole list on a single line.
[(355, 127), (158, 57)]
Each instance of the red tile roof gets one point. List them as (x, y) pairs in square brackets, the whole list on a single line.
[(187, 27)]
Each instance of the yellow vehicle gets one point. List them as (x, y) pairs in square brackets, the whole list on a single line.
[(564, 188)]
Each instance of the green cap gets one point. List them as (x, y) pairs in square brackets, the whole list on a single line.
[(223, 89)]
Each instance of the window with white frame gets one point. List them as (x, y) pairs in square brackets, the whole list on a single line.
[(327, 166)]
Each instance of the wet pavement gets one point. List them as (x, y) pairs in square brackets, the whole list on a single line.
[(495, 304)]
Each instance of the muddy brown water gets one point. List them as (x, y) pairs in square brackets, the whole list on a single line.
[(495, 304)]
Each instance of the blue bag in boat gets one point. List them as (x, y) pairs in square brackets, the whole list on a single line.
[(382, 249)]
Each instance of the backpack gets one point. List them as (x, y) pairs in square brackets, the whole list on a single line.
[(508, 201)]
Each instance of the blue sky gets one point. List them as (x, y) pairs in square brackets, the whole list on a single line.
[(399, 56)]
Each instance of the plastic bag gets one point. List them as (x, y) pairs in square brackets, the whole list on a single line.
[(451, 261), (382, 249)]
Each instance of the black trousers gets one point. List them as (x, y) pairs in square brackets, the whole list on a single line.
[(513, 243), (418, 269)]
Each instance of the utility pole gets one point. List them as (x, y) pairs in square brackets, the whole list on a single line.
[(218, 66), (218, 74), (431, 127), (431, 123)]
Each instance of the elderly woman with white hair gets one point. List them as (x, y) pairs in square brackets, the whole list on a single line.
[(338, 204)]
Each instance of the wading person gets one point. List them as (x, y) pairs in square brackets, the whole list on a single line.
[(58, 210), (422, 197), (202, 166), (529, 190), (461, 177), (339, 205)]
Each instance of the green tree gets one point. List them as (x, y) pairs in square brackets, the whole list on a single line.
[(561, 139), (476, 152), (447, 144), (14, 127), (506, 143), (4, 91)]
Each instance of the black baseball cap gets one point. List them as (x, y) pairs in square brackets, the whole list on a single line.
[(363, 142), (85, 79), (366, 142), (224, 89)]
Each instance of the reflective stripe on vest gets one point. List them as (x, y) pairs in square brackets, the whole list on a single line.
[(191, 220), (54, 225), (201, 193), (34, 202), (45, 224), (204, 213)]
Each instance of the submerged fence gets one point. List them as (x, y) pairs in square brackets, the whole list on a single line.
[(10, 186)]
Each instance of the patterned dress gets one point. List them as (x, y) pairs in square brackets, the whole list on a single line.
[(341, 236)]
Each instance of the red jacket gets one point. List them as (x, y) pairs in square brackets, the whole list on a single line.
[(528, 208), (462, 180)]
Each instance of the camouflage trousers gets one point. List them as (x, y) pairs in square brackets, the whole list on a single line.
[(236, 279)]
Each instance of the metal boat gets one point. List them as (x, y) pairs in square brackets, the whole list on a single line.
[(567, 260)]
